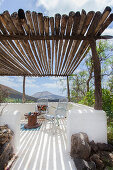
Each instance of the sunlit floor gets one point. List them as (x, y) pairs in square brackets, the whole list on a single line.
[(44, 150)]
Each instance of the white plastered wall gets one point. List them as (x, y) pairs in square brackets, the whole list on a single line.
[(28, 107), (82, 118), (14, 112), (12, 119)]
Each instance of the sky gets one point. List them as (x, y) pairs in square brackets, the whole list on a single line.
[(50, 8)]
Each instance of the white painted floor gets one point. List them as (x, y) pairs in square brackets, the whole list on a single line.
[(44, 150)]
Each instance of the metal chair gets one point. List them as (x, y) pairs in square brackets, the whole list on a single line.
[(42, 107), (59, 113), (62, 103)]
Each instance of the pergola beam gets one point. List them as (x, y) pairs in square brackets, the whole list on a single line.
[(33, 75), (52, 37), (97, 76), (68, 91), (36, 45), (23, 97)]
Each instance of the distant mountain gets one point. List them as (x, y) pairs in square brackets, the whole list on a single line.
[(47, 95), (16, 94)]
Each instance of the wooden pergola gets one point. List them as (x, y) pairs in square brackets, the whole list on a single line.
[(35, 45)]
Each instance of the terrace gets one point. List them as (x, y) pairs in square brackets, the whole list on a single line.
[(42, 149), (35, 45)]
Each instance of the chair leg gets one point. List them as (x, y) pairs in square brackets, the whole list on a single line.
[(57, 121), (45, 123), (53, 121), (54, 126)]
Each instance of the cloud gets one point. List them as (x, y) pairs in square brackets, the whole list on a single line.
[(54, 78), (47, 4), (57, 79), (1, 1), (50, 85), (108, 31), (10, 82), (65, 6), (17, 83), (53, 85), (34, 85), (56, 87)]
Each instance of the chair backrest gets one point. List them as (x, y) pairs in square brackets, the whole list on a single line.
[(61, 112), (63, 100), (61, 108), (40, 103), (62, 103)]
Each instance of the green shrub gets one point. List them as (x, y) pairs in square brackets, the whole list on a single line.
[(107, 101), (88, 99), (13, 100), (110, 132), (30, 101)]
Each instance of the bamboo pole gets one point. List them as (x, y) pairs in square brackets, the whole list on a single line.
[(97, 75), (63, 29), (20, 43), (68, 91), (57, 31), (5, 17), (84, 45), (23, 98), (42, 43), (102, 24), (74, 32), (65, 44), (46, 26), (52, 33), (76, 43), (25, 41)]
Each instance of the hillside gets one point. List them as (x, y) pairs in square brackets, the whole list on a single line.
[(16, 94), (48, 95)]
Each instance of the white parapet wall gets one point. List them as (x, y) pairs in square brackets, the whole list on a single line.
[(21, 107), (12, 119), (27, 107), (12, 113), (82, 118)]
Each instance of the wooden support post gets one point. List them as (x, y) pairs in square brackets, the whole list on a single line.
[(97, 75), (23, 98), (68, 91)]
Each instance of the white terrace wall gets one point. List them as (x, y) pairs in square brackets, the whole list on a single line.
[(12, 119), (13, 112), (26, 107), (82, 118)]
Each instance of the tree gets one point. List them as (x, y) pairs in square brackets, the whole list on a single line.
[(104, 52), (78, 87), (83, 81), (110, 83)]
